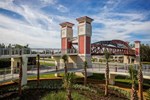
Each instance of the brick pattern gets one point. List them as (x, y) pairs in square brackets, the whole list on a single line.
[(63, 43), (88, 45), (81, 45)]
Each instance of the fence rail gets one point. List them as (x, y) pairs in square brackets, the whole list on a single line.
[(10, 52), (6, 74)]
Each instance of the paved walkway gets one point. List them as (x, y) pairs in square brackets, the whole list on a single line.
[(8, 77)]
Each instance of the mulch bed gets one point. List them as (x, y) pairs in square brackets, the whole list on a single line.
[(37, 94)]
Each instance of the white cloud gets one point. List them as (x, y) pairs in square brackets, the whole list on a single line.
[(110, 5), (115, 28), (62, 8), (38, 29), (14, 31)]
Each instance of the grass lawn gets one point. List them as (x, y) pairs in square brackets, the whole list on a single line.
[(47, 59), (49, 75), (45, 76), (62, 96), (47, 64), (146, 63), (3, 69), (42, 76), (127, 82)]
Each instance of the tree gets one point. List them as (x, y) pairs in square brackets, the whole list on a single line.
[(2, 45), (85, 72), (133, 76), (9, 46), (68, 84), (145, 52), (140, 82), (20, 77), (18, 46), (38, 70), (107, 56), (26, 46), (65, 58)]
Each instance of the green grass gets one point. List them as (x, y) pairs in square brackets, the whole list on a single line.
[(3, 69), (50, 75), (123, 80), (146, 63), (47, 64), (62, 96), (146, 83), (42, 76), (47, 59)]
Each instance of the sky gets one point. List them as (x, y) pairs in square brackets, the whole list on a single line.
[(36, 22)]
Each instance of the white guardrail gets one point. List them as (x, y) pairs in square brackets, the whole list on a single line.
[(6, 74), (10, 52)]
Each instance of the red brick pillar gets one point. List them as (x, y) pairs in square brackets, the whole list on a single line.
[(84, 40), (66, 35), (137, 52)]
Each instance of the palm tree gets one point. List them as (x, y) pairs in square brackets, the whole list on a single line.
[(20, 77), (85, 72), (65, 58), (20, 74), (38, 70), (68, 84), (133, 76), (107, 56), (140, 81)]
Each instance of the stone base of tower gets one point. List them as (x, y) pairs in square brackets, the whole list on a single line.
[(82, 58)]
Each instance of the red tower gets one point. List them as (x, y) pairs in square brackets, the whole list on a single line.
[(66, 34), (137, 52), (84, 39)]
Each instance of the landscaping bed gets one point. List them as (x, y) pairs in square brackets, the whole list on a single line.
[(53, 87)]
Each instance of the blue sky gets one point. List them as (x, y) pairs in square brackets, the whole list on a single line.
[(36, 22)]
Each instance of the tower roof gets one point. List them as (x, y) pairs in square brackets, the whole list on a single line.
[(84, 19), (64, 24), (137, 41)]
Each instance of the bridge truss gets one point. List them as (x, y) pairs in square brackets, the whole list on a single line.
[(115, 47)]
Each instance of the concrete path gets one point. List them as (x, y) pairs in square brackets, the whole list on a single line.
[(8, 77)]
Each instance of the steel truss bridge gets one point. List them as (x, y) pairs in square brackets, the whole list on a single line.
[(115, 47)]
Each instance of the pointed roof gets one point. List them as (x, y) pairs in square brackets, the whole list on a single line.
[(64, 24), (84, 19)]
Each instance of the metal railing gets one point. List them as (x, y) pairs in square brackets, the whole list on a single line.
[(121, 68), (6, 74), (34, 51)]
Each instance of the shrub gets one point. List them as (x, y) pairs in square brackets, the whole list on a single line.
[(61, 96), (82, 87), (124, 92), (148, 94)]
